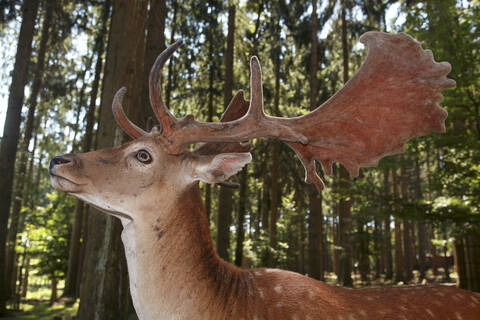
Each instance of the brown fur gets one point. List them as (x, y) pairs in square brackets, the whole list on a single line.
[(232, 293), (176, 274)]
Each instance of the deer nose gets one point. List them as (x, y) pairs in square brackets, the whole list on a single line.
[(58, 160)]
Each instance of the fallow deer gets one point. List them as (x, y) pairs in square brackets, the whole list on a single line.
[(151, 185)]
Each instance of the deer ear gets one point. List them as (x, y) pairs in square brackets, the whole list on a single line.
[(218, 168)]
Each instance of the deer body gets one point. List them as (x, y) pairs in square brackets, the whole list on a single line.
[(151, 185), (187, 280)]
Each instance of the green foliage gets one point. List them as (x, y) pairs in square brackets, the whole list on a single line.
[(48, 232)]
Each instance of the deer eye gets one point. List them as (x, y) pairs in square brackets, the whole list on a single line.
[(144, 157)]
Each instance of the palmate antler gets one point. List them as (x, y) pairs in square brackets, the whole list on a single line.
[(393, 97)]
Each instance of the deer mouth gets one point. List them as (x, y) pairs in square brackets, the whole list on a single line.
[(61, 183)]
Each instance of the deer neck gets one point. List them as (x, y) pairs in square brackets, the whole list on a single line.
[(173, 268)]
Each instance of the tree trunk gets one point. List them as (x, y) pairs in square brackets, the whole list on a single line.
[(54, 292), (225, 195), (274, 187), (102, 294), (171, 76), (387, 233), (378, 250), (421, 228), (315, 223), (154, 45), (26, 274), (242, 210), (345, 214), (459, 253), (472, 262), (364, 262), (265, 204), (274, 196), (406, 229), (71, 281), (316, 265), (301, 222), (11, 131), (399, 273), (70, 289), (224, 222), (23, 152)]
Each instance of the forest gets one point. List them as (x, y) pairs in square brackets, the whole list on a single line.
[(413, 219)]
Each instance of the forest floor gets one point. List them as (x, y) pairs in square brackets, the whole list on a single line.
[(42, 310), (37, 305)]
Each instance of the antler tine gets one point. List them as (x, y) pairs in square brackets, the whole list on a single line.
[(161, 111), (256, 91), (130, 128)]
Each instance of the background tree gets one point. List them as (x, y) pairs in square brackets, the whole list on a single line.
[(11, 130)]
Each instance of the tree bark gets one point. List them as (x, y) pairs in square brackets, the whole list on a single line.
[(421, 227), (54, 291), (23, 152), (242, 210), (387, 233), (71, 282), (471, 244), (399, 271), (154, 45), (407, 246), (103, 292), (315, 222), (224, 222), (274, 187), (8, 148), (225, 201), (459, 254), (345, 214), (363, 257), (171, 76)]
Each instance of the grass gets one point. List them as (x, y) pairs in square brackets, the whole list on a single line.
[(37, 305), (42, 310)]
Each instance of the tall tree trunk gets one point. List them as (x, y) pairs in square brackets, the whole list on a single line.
[(421, 228), (26, 274), (315, 223), (378, 248), (471, 244), (71, 281), (23, 152), (274, 187), (224, 222), (363, 257), (265, 204), (242, 210), (11, 131), (459, 253), (171, 75), (302, 235), (407, 246), (102, 294), (387, 233), (225, 194), (54, 290), (399, 271), (345, 214), (154, 45)]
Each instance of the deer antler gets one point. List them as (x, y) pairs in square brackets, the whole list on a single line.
[(394, 96)]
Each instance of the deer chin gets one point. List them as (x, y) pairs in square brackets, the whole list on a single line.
[(63, 184)]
